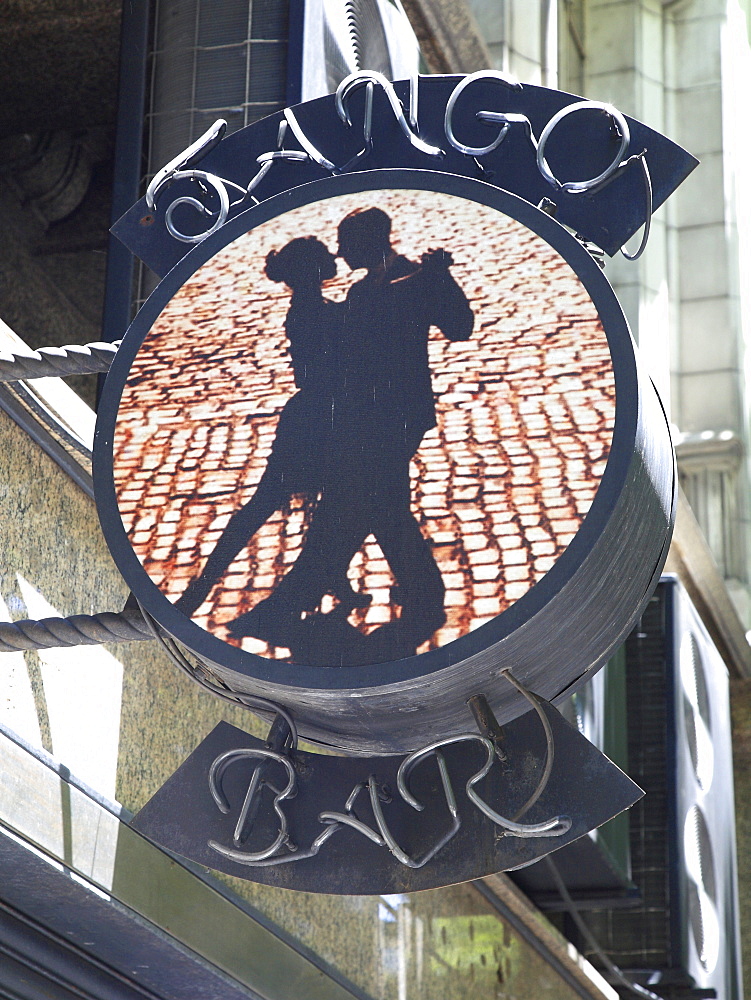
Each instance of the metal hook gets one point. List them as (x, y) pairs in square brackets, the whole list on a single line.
[(216, 775), (313, 152), (367, 129), (581, 187), (362, 79), (448, 791), (219, 187), (642, 157), (484, 74), (188, 158)]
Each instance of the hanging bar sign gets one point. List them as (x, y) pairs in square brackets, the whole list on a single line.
[(345, 485), (378, 446)]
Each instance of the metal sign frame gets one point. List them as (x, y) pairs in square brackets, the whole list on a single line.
[(554, 164), (628, 518), (584, 157)]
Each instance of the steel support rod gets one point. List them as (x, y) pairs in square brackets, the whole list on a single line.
[(57, 361), (78, 630)]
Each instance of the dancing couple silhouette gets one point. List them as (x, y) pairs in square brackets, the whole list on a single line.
[(344, 442)]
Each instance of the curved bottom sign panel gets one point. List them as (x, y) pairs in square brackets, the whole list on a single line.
[(443, 816), (377, 440)]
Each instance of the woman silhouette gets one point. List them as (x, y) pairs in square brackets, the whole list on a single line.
[(313, 326)]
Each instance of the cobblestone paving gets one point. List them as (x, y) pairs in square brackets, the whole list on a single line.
[(525, 417)]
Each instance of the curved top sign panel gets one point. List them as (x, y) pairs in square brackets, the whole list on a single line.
[(368, 432), (537, 143)]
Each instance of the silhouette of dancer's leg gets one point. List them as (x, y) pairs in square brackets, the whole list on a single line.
[(347, 514), (410, 556), (278, 618), (334, 535), (294, 467), (270, 495), (244, 523)]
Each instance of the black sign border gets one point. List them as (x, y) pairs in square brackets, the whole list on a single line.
[(377, 675)]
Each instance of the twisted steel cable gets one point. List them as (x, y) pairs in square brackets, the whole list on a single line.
[(129, 625), (78, 630), (74, 359)]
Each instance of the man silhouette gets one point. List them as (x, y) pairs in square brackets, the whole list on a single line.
[(384, 404), (390, 311)]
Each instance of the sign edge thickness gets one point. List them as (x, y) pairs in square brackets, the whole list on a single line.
[(387, 711)]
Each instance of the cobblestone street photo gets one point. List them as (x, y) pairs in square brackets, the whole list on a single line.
[(524, 415)]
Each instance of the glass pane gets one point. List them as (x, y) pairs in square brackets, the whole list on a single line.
[(223, 22), (176, 24), (203, 119), (173, 81), (257, 111), (170, 134), (270, 19), (268, 71), (220, 77)]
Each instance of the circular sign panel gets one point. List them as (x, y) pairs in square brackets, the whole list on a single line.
[(378, 439)]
